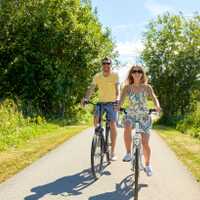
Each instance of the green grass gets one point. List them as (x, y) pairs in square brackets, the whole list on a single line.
[(48, 137), (24, 139), (185, 146)]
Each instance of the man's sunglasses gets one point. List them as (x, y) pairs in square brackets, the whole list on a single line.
[(137, 71), (106, 63)]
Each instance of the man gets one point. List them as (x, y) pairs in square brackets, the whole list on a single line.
[(107, 83)]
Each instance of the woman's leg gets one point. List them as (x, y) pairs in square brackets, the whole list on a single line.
[(146, 148), (127, 136)]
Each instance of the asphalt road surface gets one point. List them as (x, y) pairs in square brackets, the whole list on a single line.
[(64, 173)]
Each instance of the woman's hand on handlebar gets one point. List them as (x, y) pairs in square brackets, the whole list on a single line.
[(158, 109)]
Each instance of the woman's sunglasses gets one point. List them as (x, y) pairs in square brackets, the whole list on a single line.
[(137, 71)]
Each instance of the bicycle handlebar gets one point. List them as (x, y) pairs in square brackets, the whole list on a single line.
[(89, 102), (151, 110), (98, 103)]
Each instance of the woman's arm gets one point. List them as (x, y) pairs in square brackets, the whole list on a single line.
[(153, 97)]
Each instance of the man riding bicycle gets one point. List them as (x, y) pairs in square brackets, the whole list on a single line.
[(107, 83)]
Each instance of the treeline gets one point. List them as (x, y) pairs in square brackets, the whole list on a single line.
[(172, 57), (49, 50)]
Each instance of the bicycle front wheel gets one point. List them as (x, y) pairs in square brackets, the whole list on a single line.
[(97, 156), (108, 145), (136, 176)]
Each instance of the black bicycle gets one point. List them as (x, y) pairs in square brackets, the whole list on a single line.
[(136, 158), (101, 143)]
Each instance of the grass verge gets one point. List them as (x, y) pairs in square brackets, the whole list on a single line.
[(16, 158), (185, 146)]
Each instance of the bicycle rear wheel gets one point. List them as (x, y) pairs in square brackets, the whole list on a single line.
[(136, 175), (97, 156)]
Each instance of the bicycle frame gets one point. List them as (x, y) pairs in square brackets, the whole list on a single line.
[(137, 141), (103, 140), (136, 159), (137, 145), (100, 130)]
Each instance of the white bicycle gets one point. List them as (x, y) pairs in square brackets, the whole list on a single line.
[(136, 159)]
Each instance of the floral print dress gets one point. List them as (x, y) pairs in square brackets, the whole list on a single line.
[(138, 111)]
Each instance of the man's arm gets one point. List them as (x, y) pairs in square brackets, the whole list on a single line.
[(117, 90), (90, 91), (117, 85)]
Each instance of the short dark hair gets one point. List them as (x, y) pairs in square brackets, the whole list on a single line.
[(106, 60)]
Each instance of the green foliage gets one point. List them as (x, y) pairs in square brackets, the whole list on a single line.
[(10, 118), (13, 126), (172, 57), (191, 123), (49, 50), (16, 129)]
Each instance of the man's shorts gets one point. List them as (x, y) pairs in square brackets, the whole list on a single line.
[(109, 109)]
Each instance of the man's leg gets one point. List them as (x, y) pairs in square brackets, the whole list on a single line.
[(113, 130), (95, 120), (112, 116), (96, 115)]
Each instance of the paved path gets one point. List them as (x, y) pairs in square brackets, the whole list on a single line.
[(64, 173)]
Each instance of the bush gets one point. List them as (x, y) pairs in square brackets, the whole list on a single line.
[(14, 126), (191, 123)]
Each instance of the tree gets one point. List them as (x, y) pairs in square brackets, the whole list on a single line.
[(49, 50), (172, 55)]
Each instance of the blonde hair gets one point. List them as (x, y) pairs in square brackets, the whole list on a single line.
[(130, 79)]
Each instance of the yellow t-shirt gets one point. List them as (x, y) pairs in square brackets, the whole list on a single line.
[(106, 86)]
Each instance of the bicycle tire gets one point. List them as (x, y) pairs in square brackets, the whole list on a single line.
[(97, 142), (136, 175), (108, 145)]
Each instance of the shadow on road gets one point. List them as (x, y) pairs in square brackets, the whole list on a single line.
[(67, 186), (124, 191)]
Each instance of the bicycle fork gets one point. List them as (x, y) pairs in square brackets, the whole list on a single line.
[(137, 145)]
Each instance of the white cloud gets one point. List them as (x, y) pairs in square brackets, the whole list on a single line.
[(156, 8), (128, 54), (123, 72), (129, 50)]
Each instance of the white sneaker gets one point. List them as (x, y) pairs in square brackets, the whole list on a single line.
[(127, 157), (113, 157), (148, 170)]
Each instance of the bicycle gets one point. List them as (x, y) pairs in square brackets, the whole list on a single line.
[(136, 158), (101, 143)]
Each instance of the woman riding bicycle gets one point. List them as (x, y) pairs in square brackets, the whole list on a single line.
[(138, 90)]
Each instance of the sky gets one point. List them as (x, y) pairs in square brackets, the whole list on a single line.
[(128, 19)]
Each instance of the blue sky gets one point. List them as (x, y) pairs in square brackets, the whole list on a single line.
[(127, 20)]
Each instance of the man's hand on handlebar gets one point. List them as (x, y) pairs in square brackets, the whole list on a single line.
[(84, 101)]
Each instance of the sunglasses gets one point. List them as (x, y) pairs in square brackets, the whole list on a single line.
[(137, 71), (106, 63)]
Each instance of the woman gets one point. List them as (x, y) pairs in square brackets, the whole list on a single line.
[(138, 90)]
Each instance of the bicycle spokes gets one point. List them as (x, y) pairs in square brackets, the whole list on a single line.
[(96, 156)]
